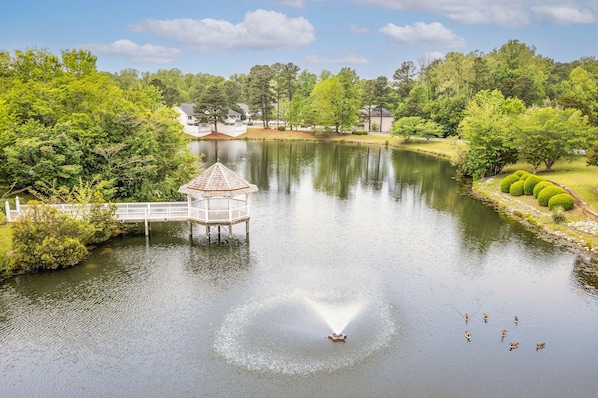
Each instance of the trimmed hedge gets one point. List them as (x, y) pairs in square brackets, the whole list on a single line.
[(520, 173), (547, 193), (505, 184), (540, 186), (359, 132), (530, 183), (516, 188), (563, 200)]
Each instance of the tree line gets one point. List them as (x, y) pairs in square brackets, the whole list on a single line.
[(62, 120)]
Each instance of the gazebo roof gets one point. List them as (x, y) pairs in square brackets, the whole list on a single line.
[(218, 180)]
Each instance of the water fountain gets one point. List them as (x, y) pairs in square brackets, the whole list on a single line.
[(283, 334)]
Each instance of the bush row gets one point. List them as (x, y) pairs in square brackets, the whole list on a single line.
[(549, 195)]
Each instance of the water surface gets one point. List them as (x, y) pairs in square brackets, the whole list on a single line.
[(389, 232)]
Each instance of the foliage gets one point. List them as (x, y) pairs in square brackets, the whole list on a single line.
[(558, 214), (414, 126), (506, 182), (563, 200), (359, 132), (488, 127), (545, 194), (260, 94), (335, 101), (281, 128), (520, 173), (61, 121), (540, 186), (516, 188), (212, 106), (48, 238), (548, 134), (530, 183)]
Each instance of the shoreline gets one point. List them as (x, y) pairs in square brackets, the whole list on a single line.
[(580, 233)]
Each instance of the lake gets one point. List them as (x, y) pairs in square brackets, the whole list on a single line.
[(382, 243)]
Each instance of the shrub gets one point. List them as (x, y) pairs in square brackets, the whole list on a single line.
[(516, 188), (558, 214), (525, 176), (359, 132), (563, 200), (547, 193), (520, 173), (282, 128), (530, 183), (507, 181), (2, 218), (540, 186)]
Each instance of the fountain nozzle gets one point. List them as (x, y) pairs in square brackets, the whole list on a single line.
[(337, 337)]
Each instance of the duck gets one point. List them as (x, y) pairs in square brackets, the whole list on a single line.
[(539, 346), (515, 319), (467, 335), (466, 317), (503, 333), (512, 346), (485, 317)]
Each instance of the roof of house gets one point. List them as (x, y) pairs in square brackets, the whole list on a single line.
[(187, 107), (375, 112), (218, 180)]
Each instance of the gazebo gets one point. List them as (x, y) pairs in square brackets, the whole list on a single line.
[(218, 198)]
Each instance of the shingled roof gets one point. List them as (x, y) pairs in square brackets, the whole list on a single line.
[(218, 180)]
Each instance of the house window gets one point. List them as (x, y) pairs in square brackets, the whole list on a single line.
[(189, 117)]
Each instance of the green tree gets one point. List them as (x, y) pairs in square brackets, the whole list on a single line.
[(488, 127), (260, 93), (212, 106), (410, 126), (548, 134)]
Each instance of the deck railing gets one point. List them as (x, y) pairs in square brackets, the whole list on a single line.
[(159, 211)]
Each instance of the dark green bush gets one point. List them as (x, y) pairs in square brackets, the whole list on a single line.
[(530, 183), (506, 182), (359, 132), (563, 200), (547, 193), (516, 188), (281, 128), (540, 186)]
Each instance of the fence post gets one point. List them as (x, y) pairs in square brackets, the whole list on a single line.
[(7, 207)]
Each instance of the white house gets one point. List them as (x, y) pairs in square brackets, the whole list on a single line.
[(370, 118), (233, 125)]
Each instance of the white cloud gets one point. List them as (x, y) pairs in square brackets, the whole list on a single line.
[(563, 15), (147, 53), (260, 29), (347, 58), (510, 13), (433, 35), (359, 29)]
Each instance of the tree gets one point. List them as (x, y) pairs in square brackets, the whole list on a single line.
[(260, 94), (548, 134), (415, 126), (335, 101), (212, 106), (381, 92), (488, 128), (404, 78)]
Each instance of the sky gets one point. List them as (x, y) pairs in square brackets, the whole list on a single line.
[(226, 37)]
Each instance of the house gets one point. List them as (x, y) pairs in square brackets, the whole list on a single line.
[(369, 118), (233, 125)]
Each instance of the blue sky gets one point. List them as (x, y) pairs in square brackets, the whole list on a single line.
[(224, 37)]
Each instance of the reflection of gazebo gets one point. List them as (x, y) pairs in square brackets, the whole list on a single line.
[(218, 198)]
